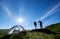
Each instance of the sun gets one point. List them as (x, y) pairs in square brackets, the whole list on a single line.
[(20, 20)]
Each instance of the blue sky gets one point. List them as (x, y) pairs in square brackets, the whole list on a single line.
[(48, 11)]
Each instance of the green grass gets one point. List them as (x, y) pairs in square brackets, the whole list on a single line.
[(35, 35)]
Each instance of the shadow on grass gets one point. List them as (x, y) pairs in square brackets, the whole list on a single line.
[(44, 31)]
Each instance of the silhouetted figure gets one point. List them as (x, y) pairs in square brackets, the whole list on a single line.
[(35, 24), (40, 22)]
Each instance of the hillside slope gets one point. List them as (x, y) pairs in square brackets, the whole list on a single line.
[(54, 27), (36, 35)]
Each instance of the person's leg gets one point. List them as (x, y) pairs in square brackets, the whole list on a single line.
[(35, 26), (41, 27)]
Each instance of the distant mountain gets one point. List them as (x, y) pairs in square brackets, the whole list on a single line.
[(3, 30)]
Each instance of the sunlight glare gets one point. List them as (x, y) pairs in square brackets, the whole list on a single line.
[(20, 20)]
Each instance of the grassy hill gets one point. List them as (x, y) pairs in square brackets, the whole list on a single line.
[(3, 32), (36, 35), (54, 27)]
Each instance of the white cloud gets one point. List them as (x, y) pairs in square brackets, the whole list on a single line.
[(8, 12)]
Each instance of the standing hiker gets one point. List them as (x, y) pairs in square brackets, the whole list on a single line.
[(35, 24), (40, 22)]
